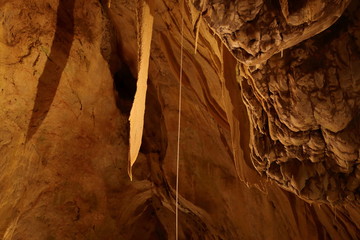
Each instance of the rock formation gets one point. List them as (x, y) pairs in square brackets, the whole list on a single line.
[(304, 102), (256, 30), (269, 140)]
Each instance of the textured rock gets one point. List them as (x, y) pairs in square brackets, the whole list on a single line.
[(68, 178), (304, 106), (255, 30)]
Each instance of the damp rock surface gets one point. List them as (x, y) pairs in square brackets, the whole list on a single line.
[(68, 71)]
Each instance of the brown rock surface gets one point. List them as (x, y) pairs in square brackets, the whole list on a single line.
[(254, 30), (66, 91), (304, 108)]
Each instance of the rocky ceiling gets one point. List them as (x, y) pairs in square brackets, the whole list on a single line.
[(304, 102), (270, 120)]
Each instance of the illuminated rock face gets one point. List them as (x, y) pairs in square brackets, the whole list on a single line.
[(256, 30), (305, 114), (67, 82), (303, 103)]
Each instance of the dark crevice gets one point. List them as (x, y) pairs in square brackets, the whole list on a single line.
[(154, 140), (295, 6), (125, 87), (111, 49)]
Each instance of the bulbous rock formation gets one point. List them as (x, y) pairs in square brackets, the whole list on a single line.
[(304, 102), (305, 114), (256, 30)]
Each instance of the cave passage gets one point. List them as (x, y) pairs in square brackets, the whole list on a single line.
[(125, 86)]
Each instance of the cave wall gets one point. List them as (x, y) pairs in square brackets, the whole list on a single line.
[(68, 71), (309, 113)]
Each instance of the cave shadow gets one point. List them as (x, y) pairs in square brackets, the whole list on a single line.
[(54, 66)]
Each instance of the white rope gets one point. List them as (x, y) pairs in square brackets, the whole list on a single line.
[(178, 134)]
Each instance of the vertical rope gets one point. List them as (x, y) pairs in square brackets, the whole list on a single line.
[(179, 130)]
